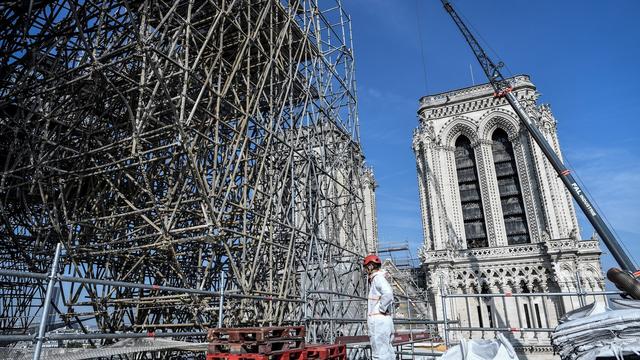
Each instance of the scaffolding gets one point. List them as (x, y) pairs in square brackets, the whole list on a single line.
[(171, 143)]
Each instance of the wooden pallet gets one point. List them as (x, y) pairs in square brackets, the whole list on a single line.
[(256, 334), (326, 352), (300, 354), (408, 338), (269, 347)]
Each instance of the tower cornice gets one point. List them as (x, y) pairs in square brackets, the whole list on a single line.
[(471, 99)]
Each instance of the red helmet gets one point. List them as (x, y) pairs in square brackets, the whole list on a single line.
[(371, 258)]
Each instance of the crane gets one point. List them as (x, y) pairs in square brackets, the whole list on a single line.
[(625, 280)]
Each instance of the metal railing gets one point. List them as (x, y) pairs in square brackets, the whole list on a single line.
[(517, 314), (531, 322), (50, 279)]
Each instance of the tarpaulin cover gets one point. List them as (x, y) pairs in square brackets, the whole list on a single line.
[(496, 349), (596, 331)]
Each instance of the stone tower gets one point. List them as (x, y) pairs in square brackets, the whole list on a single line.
[(496, 218)]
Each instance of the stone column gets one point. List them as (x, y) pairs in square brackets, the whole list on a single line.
[(425, 201), (473, 302), (528, 186), (549, 312), (438, 210), (491, 204), (450, 196), (529, 301), (457, 311), (437, 285), (468, 319), (518, 311), (502, 312), (570, 302), (497, 307)]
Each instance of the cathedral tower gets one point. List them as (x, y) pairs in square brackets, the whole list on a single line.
[(496, 218)]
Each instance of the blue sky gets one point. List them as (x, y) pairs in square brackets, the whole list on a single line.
[(582, 55)]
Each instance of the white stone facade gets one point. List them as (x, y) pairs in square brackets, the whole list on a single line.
[(496, 218)]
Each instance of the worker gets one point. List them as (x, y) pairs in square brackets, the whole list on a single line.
[(379, 308)]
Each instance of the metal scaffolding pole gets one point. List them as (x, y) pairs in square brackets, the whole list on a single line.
[(47, 303), (165, 142), (221, 303)]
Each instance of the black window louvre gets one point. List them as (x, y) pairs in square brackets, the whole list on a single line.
[(470, 198), (513, 210)]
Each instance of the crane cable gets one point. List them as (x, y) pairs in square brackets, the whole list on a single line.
[(478, 35), (421, 44)]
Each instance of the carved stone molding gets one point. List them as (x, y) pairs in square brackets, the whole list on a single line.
[(522, 276), (471, 99), (498, 118), (456, 126), (573, 245), (488, 253)]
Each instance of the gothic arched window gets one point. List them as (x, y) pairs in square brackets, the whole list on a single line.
[(472, 214), (515, 221)]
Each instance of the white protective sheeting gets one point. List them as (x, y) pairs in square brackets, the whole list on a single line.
[(597, 331), (496, 349)]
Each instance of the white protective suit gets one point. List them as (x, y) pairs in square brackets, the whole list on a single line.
[(379, 317)]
